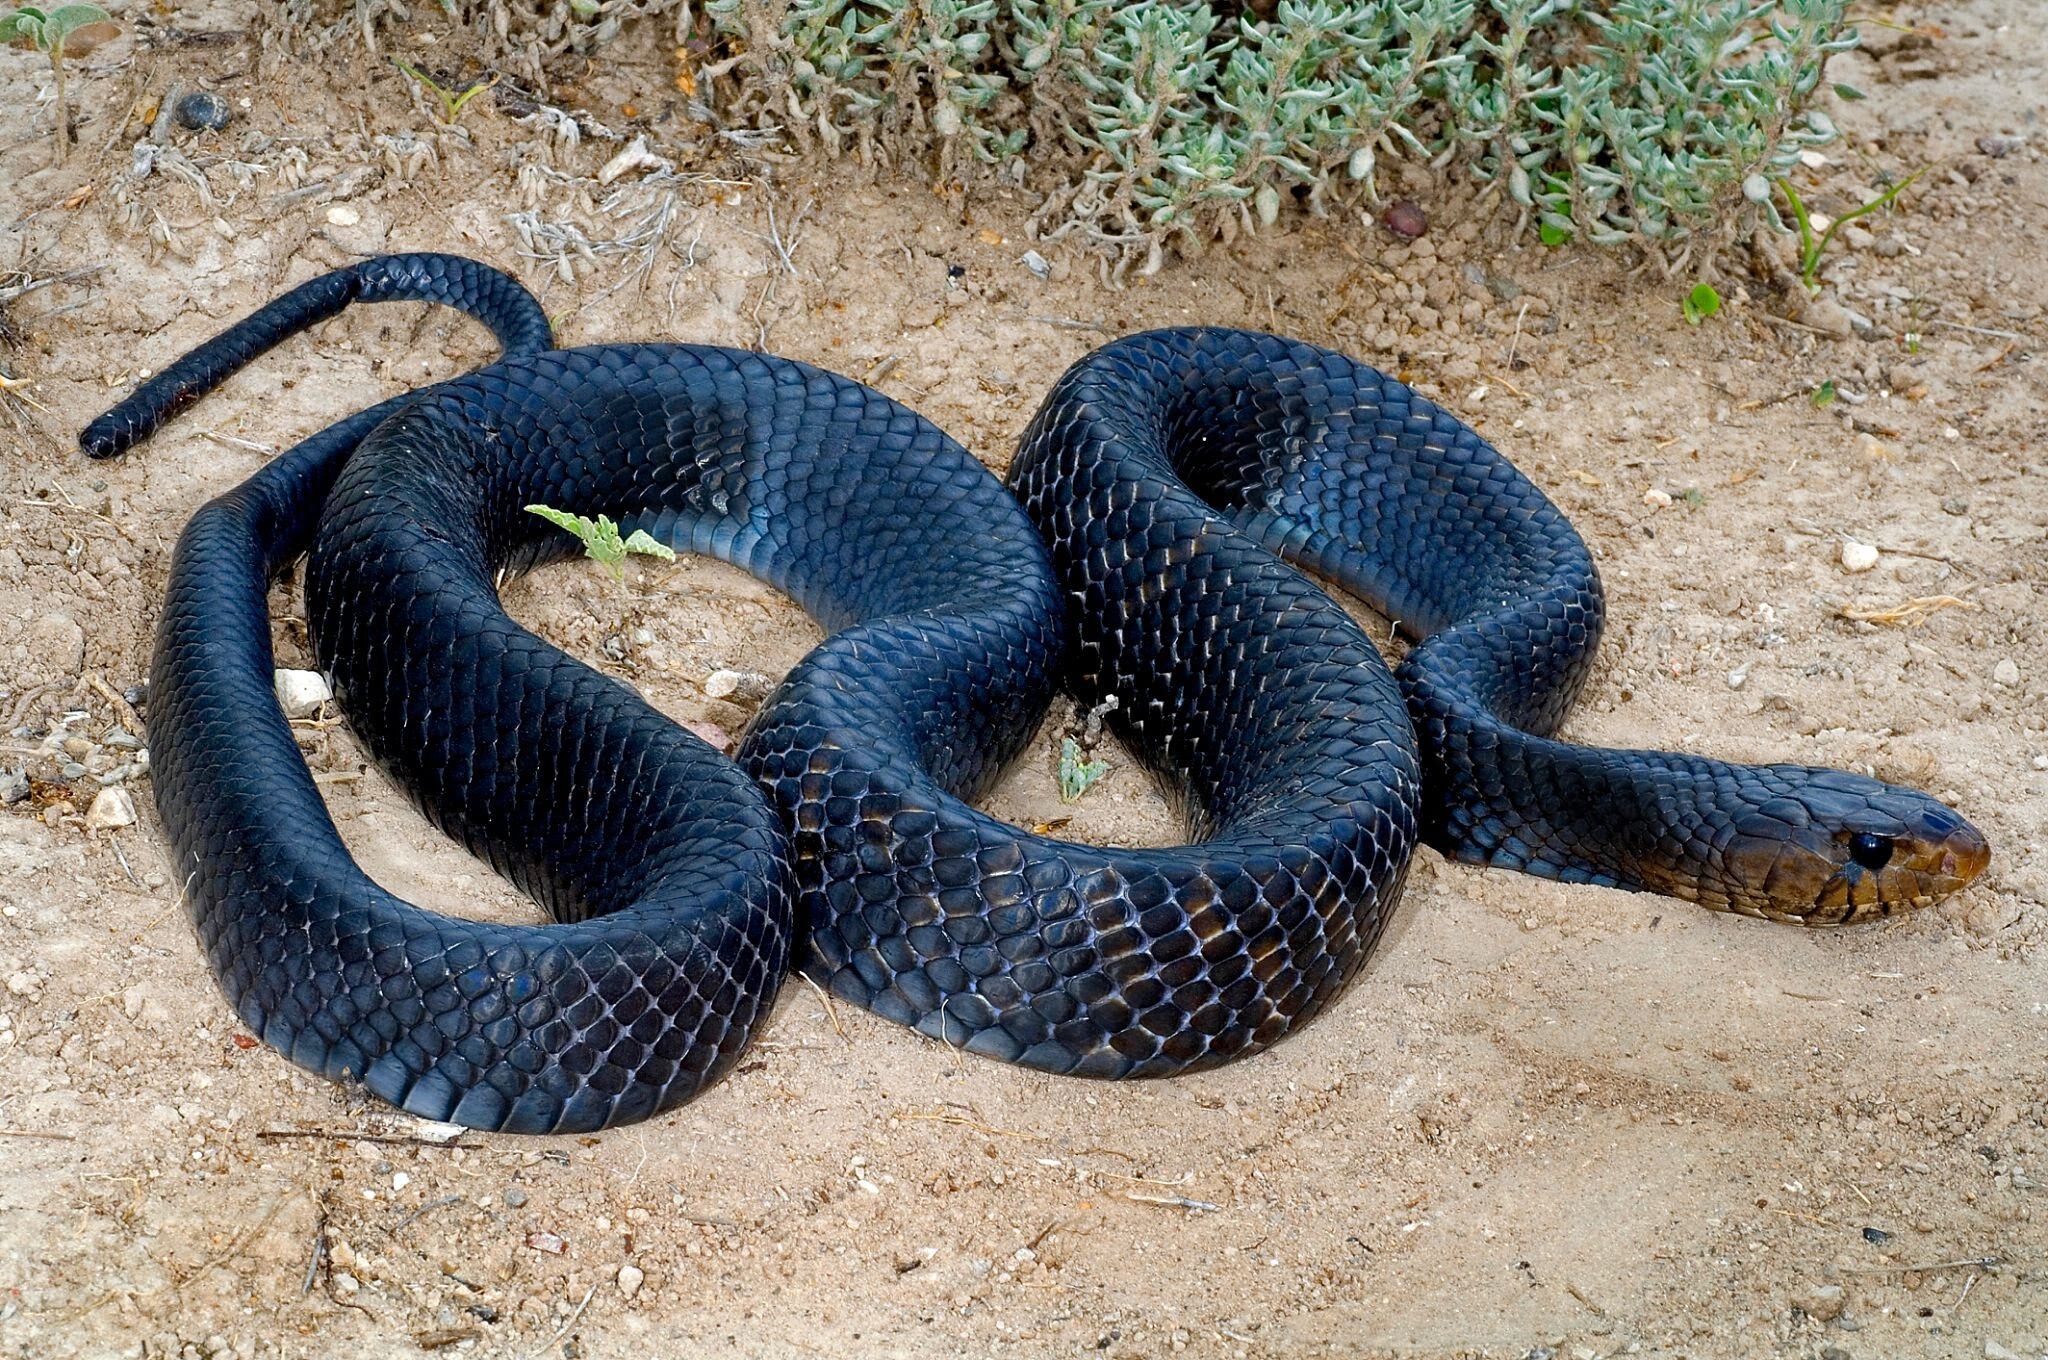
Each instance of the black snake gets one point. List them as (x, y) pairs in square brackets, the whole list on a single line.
[(1135, 562)]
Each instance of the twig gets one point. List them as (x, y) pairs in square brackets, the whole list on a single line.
[(428, 1207), (362, 1136), (536, 1353), (9, 294), (319, 1250), (1907, 1267), (119, 855), (124, 712), (267, 450), (1975, 330), (946, 1117), (1790, 324), (39, 1134), (234, 1248), (1516, 340), (831, 1011), (1067, 323), (1912, 611), (1198, 1206)]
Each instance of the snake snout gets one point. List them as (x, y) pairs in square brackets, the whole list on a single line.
[(1903, 849), (1841, 849), (1960, 855)]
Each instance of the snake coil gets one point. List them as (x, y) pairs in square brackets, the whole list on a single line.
[(1156, 492)]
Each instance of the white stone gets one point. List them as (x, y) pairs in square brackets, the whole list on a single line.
[(722, 684), (300, 693), (1857, 556), (1657, 499), (342, 215), (630, 1280), (24, 984), (110, 808), (2007, 672)]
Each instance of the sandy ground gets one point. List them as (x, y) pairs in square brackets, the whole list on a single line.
[(1546, 1121)]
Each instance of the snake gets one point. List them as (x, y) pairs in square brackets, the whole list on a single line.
[(1173, 514)]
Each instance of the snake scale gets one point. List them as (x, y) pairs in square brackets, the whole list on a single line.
[(1137, 557)]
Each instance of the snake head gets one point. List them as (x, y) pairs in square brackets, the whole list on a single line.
[(1834, 848)]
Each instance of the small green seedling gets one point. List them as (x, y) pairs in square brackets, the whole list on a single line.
[(1812, 244), (601, 541), (1702, 302), (1824, 395), (66, 31), (452, 102), (1077, 773), (1693, 497)]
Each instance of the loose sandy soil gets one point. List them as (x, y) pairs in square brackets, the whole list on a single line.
[(1546, 1120)]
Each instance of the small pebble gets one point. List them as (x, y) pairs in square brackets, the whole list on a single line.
[(1822, 1303), (1739, 677), (711, 734), (23, 984), (1857, 557), (1036, 263), (1406, 219), (300, 693), (202, 111), (110, 808), (2007, 672), (630, 1280), (1999, 147), (342, 215), (515, 1198), (1657, 499), (721, 684), (643, 636), (57, 640), (1830, 317), (13, 786)]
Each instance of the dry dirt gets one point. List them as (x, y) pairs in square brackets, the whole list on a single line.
[(1545, 1121)]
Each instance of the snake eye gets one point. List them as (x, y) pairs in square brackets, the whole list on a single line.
[(1871, 851)]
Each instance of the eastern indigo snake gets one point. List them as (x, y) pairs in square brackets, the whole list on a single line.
[(1135, 561)]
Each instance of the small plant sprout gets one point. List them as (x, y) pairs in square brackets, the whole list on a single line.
[(1077, 773), (1824, 395), (601, 541), (452, 102), (1702, 302), (66, 31), (1814, 234)]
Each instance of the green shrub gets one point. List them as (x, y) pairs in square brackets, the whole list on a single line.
[(1165, 122)]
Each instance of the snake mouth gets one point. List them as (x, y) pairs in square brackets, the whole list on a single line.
[(1962, 857)]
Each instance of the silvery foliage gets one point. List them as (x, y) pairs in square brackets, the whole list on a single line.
[(1166, 122)]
